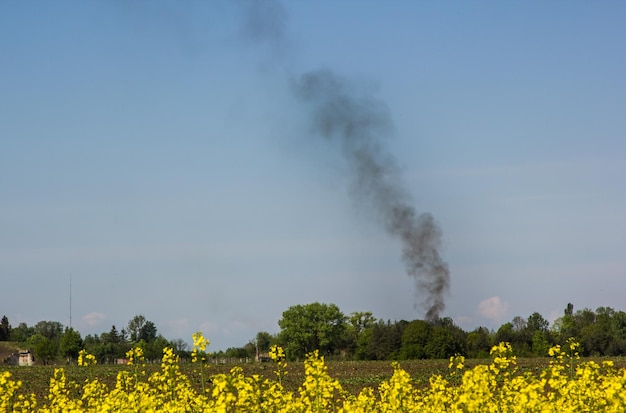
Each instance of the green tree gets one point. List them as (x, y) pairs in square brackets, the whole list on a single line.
[(505, 334), (93, 344), (261, 344), (358, 322), (250, 348), (447, 339), (22, 333), (70, 344), (114, 337), (537, 335), (5, 329), (536, 322), (236, 353), (380, 343), (415, 338), (46, 340), (540, 344), (305, 328), (479, 343), (385, 342), (565, 327), (49, 329), (362, 351), (618, 333), (135, 325), (153, 350), (44, 348), (522, 337), (148, 332), (442, 344)]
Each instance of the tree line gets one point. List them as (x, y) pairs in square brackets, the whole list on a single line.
[(360, 336), (357, 336), (50, 341)]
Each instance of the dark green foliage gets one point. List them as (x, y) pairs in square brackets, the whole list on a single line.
[(45, 349), (536, 322), (505, 334), (153, 350), (263, 341), (50, 329), (70, 344), (148, 332), (446, 340), (385, 342), (358, 324), (363, 343), (5, 329), (479, 343), (22, 333), (305, 328), (415, 338), (236, 352)]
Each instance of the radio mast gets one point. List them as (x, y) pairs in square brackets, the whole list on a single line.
[(70, 300)]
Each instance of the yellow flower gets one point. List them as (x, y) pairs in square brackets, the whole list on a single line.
[(86, 359)]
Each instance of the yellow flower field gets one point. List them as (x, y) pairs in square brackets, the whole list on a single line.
[(567, 385)]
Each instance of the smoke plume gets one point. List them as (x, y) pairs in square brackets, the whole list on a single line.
[(360, 123)]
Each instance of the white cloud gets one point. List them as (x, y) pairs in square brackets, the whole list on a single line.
[(93, 318), (493, 308), (209, 327)]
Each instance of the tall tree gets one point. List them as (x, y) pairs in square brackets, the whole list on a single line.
[(363, 344), (71, 343), (565, 327), (358, 322), (305, 328), (5, 329), (536, 322), (538, 336), (148, 332), (263, 342), (135, 325), (49, 329), (114, 336)]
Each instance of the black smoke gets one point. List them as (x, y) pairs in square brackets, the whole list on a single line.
[(361, 123)]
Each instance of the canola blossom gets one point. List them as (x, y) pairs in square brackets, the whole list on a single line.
[(567, 385)]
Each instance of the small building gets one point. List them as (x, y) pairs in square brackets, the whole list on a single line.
[(12, 360), (26, 358), (263, 357)]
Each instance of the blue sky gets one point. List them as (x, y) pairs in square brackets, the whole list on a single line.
[(155, 153)]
